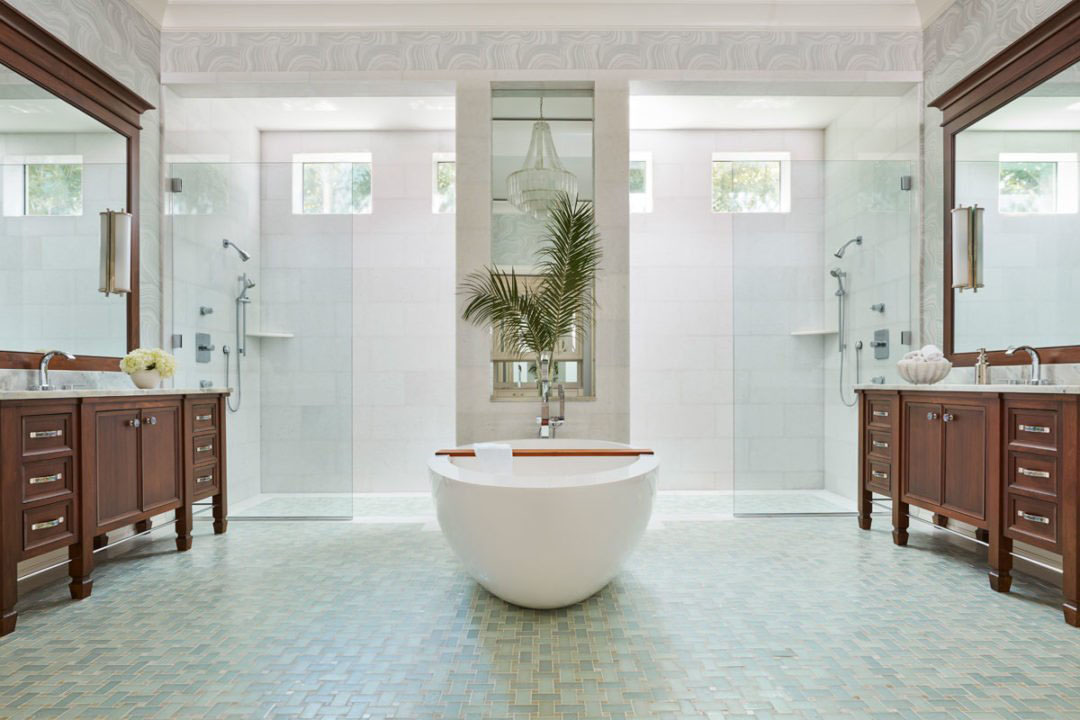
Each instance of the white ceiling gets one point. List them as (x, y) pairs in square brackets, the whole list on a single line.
[(1034, 113), (734, 112), (325, 114), (539, 15), (45, 115)]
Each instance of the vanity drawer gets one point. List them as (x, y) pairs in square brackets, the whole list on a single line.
[(879, 412), (203, 417), (204, 449), (48, 527), (879, 444), (1033, 473), (206, 480), (1033, 428), (1033, 521), (47, 433), (879, 477), (43, 479)]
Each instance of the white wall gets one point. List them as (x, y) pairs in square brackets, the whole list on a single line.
[(867, 149), (717, 383), (370, 298)]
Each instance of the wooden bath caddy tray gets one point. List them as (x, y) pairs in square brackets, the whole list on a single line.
[(560, 452)]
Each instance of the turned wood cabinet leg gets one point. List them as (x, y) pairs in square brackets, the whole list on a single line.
[(101, 541), (183, 527), (941, 520), (900, 522), (221, 520), (1000, 558), (81, 570), (144, 525), (8, 596), (866, 508), (982, 535)]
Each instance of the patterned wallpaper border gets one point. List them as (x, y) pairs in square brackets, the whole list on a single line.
[(194, 52)]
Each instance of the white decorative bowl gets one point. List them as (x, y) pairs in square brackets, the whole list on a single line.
[(923, 373)]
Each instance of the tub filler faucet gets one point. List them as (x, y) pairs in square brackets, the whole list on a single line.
[(547, 423)]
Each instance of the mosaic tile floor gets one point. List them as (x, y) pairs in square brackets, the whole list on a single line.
[(768, 618), (403, 507)]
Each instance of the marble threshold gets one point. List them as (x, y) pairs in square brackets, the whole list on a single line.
[(105, 392), (958, 387)]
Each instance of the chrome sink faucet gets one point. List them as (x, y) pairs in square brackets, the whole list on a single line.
[(547, 423), (1036, 367), (43, 368)]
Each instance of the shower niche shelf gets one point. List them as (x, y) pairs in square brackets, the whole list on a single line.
[(278, 335), (802, 333)]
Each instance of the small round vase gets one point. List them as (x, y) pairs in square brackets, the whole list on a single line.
[(146, 379)]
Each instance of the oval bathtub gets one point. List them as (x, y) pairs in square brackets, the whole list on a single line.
[(552, 532)]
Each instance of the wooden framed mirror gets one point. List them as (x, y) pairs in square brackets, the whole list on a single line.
[(1012, 148), (69, 140)]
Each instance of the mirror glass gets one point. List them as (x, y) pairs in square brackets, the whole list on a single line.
[(1020, 164), (59, 169)]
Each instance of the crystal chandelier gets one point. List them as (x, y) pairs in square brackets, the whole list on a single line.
[(542, 178)]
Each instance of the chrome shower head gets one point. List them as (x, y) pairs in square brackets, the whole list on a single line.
[(843, 248), (245, 256)]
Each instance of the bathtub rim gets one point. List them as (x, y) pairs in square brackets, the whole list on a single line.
[(443, 466)]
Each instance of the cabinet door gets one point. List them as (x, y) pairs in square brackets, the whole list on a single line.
[(116, 461), (161, 469), (965, 459), (922, 451)]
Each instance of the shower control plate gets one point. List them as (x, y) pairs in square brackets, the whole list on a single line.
[(203, 347), (880, 344)]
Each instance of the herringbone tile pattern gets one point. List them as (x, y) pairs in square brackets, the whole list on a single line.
[(764, 618)]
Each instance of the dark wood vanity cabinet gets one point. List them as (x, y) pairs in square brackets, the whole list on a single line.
[(72, 471), (1005, 463)]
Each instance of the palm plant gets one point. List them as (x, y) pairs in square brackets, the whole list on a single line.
[(532, 320)]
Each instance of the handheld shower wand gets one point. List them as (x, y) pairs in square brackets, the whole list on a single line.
[(841, 325)]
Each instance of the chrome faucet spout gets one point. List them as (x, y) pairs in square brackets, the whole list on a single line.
[(43, 368), (1036, 365)]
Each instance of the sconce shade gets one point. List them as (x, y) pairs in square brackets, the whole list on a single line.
[(967, 248), (115, 252)]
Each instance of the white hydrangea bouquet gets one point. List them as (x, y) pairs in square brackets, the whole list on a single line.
[(148, 367)]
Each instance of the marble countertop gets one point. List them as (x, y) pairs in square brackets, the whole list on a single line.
[(957, 387), (105, 392)]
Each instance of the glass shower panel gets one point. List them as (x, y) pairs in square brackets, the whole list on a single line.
[(284, 345), (795, 421)]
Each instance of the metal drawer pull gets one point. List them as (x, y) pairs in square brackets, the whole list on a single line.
[(1035, 429), (1033, 518), (204, 448), (879, 444), (931, 416), (42, 479), (47, 524), (135, 423), (204, 479), (1033, 473), (948, 417), (881, 413), (880, 475), (39, 434), (203, 418), (151, 420)]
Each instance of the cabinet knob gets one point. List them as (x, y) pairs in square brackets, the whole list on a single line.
[(134, 422), (151, 420), (948, 417), (931, 416)]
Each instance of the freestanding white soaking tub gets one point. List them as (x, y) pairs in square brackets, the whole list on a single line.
[(553, 531)]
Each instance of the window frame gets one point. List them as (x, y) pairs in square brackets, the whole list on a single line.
[(783, 157), (16, 192), (1067, 180), (299, 160), (437, 159), (642, 202)]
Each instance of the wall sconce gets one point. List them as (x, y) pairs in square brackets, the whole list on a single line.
[(115, 252), (967, 248)]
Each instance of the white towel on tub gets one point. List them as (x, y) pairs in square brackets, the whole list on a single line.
[(494, 458)]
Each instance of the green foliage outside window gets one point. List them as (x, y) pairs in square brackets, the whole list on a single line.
[(445, 186), (745, 186), (637, 177), (337, 188), (54, 189), (1027, 187)]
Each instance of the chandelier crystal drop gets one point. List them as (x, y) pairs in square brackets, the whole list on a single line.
[(542, 177)]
